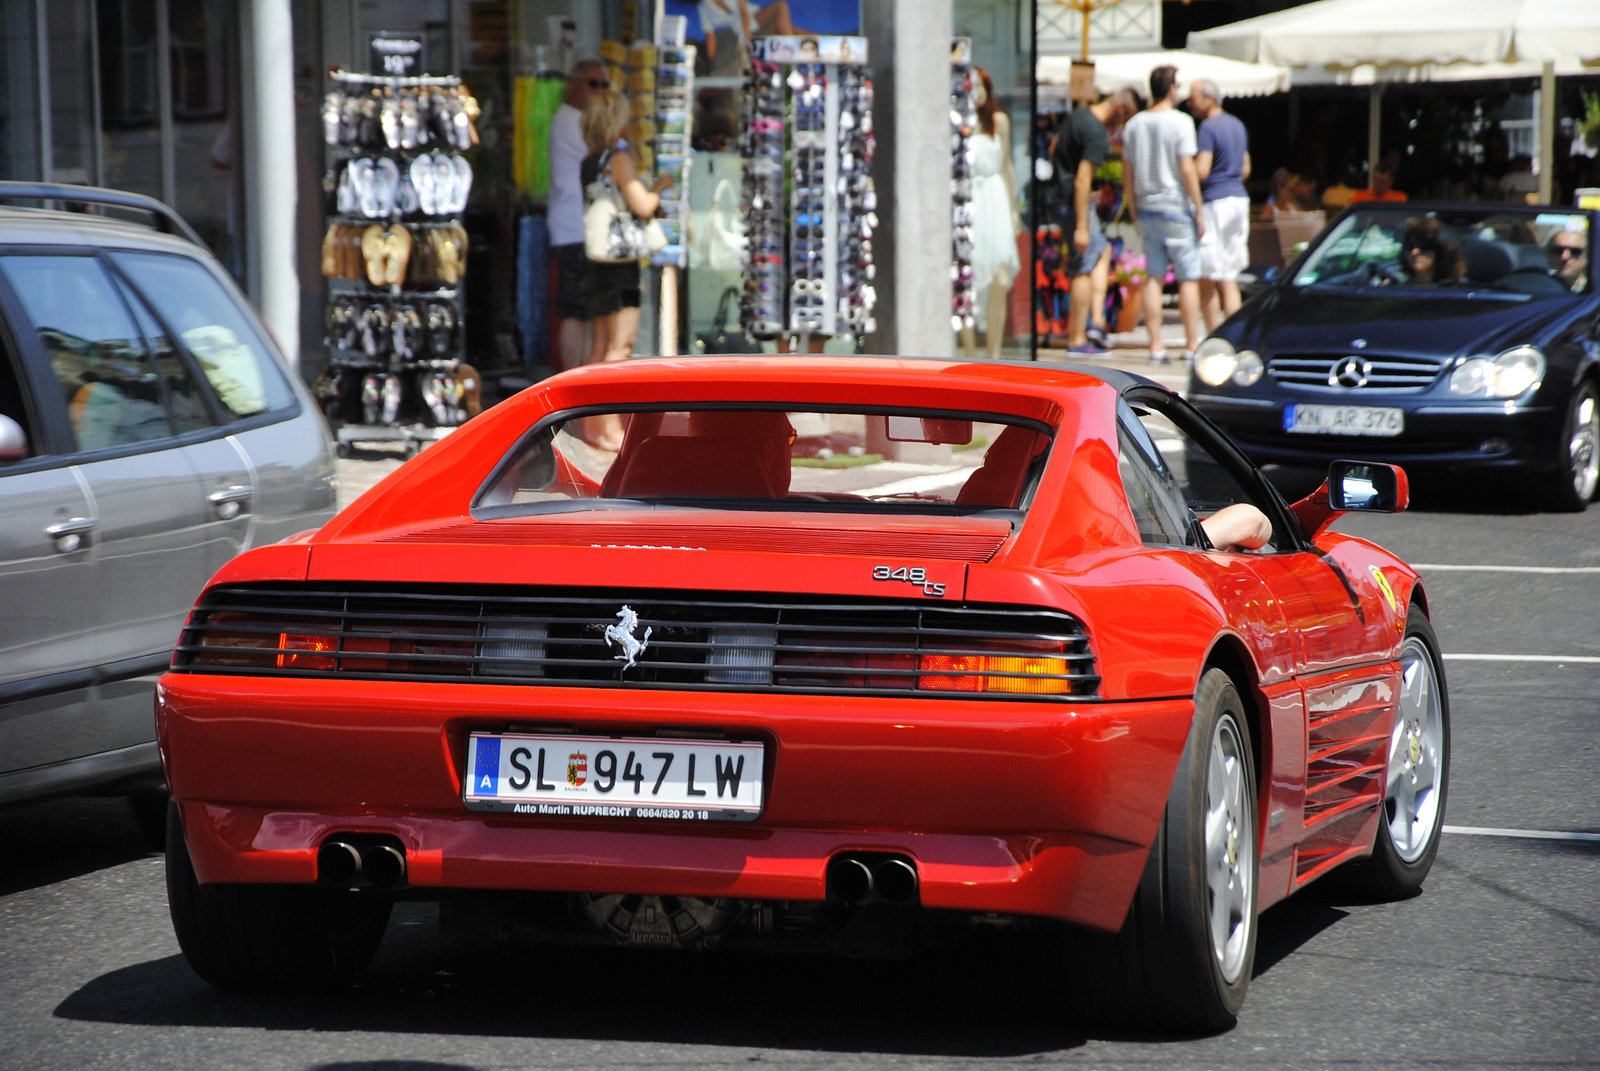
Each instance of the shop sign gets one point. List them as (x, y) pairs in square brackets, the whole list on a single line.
[(395, 55)]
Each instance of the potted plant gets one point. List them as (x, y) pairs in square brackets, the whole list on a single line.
[(1129, 273), (1589, 125)]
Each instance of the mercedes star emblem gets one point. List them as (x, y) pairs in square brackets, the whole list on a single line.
[(1351, 372)]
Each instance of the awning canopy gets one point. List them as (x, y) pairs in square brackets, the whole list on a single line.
[(1117, 69), (1446, 38)]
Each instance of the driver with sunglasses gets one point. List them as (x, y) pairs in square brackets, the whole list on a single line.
[(1568, 253)]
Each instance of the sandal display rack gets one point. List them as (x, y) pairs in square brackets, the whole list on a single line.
[(807, 193), (394, 256)]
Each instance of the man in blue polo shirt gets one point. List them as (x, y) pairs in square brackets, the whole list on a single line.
[(1223, 163)]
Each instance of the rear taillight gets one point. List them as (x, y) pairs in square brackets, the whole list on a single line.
[(319, 650), (1015, 667), (235, 639)]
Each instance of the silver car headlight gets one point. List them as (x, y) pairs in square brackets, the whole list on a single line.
[(1216, 362), (1510, 374)]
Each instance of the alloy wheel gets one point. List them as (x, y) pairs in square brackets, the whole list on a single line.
[(1411, 795), (1230, 838), (1584, 448)]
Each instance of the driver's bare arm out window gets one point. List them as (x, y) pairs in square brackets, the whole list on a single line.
[(1204, 484)]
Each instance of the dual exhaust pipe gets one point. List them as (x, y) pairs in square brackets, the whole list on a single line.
[(864, 877), (380, 865)]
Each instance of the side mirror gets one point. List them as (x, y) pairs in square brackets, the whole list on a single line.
[(1367, 486), (13, 440), (1269, 274)]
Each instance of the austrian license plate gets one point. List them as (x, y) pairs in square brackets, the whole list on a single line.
[(614, 777), (1343, 420)]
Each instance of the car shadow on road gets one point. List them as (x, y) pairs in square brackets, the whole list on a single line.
[(45, 843), (998, 999), (935, 1006), (1291, 924)]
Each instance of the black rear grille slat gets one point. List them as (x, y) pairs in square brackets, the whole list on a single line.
[(553, 637)]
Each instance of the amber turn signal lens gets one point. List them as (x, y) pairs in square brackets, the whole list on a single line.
[(978, 673), (1039, 682)]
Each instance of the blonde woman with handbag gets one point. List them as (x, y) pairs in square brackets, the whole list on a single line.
[(611, 173)]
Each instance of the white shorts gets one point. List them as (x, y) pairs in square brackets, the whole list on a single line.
[(1225, 247)]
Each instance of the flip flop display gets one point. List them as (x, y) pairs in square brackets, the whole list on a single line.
[(395, 250)]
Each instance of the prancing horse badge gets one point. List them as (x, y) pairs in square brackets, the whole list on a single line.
[(622, 634)]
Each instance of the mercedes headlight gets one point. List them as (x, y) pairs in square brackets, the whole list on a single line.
[(1216, 362), (1510, 374)]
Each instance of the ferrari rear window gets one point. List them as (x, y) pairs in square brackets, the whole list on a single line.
[(909, 460)]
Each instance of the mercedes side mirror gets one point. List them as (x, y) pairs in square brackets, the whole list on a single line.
[(13, 441), (1368, 487)]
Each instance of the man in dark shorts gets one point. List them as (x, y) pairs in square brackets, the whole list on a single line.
[(567, 151), (1083, 145)]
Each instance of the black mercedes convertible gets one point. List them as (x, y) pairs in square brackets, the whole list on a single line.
[(1434, 336)]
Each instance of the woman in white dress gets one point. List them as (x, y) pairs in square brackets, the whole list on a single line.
[(995, 220)]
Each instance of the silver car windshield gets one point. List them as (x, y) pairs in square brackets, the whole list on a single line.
[(1538, 254)]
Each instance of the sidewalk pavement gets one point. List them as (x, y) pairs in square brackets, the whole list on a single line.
[(1130, 352)]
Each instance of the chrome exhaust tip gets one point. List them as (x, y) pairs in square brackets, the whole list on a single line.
[(384, 866), (849, 879), (338, 863), (896, 881)]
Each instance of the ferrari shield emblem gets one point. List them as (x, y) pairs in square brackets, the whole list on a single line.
[(577, 768), (1383, 586)]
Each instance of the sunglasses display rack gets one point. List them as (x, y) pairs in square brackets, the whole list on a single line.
[(395, 254), (808, 198), (963, 121)]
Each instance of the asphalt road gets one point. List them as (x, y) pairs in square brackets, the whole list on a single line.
[(1495, 964)]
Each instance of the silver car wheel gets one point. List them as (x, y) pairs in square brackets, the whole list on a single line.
[(1411, 795), (1584, 448), (1230, 838)]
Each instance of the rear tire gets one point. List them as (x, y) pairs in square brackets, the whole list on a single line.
[(1577, 474), (269, 937), (1183, 959), (149, 810), (1418, 780)]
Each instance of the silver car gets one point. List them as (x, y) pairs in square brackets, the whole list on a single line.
[(149, 432)]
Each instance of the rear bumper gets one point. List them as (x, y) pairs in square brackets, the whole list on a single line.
[(1021, 808), (1484, 437)]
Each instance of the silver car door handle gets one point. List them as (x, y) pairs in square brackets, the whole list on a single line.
[(69, 534), (228, 501)]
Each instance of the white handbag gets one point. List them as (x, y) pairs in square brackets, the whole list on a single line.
[(722, 244), (611, 233)]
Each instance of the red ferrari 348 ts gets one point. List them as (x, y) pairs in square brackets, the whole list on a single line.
[(840, 655)]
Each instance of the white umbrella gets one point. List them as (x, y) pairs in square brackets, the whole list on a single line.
[(1118, 69), (1411, 33), (1420, 40)]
